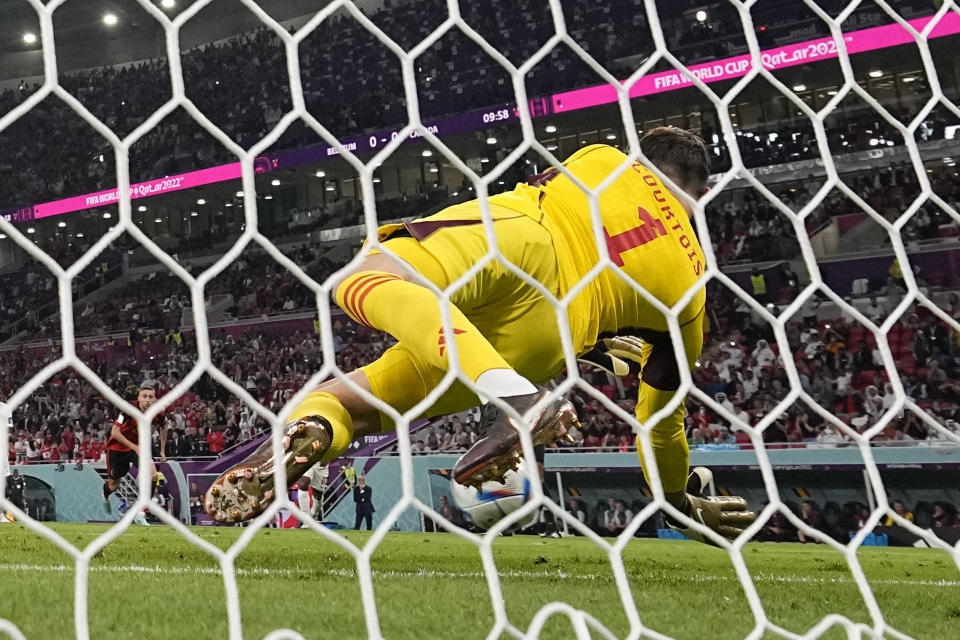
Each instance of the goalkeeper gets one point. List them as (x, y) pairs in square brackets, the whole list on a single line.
[(507, 334)]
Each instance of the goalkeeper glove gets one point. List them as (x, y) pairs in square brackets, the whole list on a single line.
[(727, 515), (620, 355)]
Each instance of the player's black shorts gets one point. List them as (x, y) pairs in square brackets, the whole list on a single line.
[(119, 462)]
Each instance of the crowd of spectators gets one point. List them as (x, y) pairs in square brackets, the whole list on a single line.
[(23, 293), (607, 517), (454, 76), (154, 304), (840, 367), (610, 516), (68, 419), (28, 296), (746, 227), (451, 434), (841, 522), (352, 83), (741, 368)]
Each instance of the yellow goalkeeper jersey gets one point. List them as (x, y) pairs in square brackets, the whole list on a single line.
[(645, 228)]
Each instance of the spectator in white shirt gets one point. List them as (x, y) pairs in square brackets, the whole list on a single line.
[(33, 451), (813, 343), (873, 402), (576, 511), (723, 370), (246, 424), (750, 383), (888, 396), (724, 401), (843, 382), (829, 437), (616, 519), (763, 355), (734, 355), (20, 449), (743, 415)]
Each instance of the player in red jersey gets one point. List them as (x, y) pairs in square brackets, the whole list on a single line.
[(122, 448)]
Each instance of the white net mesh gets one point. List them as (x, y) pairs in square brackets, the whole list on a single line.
[(584, 625)]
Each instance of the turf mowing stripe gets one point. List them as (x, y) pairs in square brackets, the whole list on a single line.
[(428, 573)]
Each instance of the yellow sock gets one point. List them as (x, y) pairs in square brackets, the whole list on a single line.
[(411, 314), (670, 449), (321, 403)]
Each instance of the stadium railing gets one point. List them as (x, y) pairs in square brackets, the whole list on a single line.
[(900, 444)]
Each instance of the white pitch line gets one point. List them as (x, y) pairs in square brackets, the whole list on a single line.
[(430, 573)]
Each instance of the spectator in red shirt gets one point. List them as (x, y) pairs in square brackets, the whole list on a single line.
[(95, 450), (48, 450), (67, 440), (702, 419), (215, 441)]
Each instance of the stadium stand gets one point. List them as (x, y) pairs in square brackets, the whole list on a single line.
[(241, 84), (740, 368), (745, 228)]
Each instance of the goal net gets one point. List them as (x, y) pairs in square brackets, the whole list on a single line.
[(657, 71)]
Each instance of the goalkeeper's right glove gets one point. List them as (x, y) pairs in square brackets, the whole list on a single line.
[(726, 515), (620, 355)]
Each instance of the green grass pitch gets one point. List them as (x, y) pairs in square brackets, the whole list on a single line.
[(151, 583)]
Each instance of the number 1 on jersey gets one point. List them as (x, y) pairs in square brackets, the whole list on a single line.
[(650, 228)]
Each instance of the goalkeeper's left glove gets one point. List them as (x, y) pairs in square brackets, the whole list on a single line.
[(620, 355)]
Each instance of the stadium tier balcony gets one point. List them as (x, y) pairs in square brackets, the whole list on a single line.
[(242, 84)]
